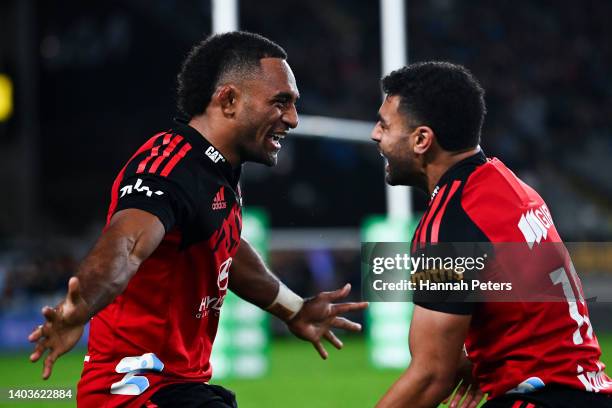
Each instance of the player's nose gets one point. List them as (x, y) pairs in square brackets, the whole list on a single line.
[(375, 135), (290, 117)]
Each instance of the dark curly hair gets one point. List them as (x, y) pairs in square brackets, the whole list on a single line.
[(443, 96), (215, 58)]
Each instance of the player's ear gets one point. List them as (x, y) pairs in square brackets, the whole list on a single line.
[(226, 97), (423, 139)]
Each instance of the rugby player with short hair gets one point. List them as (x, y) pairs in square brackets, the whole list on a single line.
[(154, 283), (522, 354)]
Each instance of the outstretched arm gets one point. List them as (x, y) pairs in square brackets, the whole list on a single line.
[(436, 345), (251, 279), (130, 238), (309, 319)]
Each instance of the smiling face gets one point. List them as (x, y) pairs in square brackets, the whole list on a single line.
[(267, 113), (396, 141)]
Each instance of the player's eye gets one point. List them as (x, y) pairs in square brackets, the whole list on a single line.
[(281, 104)]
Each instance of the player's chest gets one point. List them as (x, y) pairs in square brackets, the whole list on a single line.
[(218, 218)]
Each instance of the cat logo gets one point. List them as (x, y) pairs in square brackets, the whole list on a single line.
[(214, 155)]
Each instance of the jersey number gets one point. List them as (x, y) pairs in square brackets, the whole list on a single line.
[(562, 277)]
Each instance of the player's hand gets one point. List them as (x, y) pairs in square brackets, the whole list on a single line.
[(472, 393), (468, 389), (62, 329), (319, 315)]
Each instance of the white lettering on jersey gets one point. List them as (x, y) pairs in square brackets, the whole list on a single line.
[(208, 304), (560, 277), (139, 187), (594, 381), (214, 155), (223, 277), (534, 225)]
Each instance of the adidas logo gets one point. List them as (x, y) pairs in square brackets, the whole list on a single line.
[(219, 202), (534, 224)]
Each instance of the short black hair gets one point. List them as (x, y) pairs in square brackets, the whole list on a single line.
[(214, 58), (443, 96)]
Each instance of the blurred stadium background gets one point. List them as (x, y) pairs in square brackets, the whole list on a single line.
[(83, 83)]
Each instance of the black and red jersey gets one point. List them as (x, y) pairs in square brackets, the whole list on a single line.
[(160, 330), (521, 345)]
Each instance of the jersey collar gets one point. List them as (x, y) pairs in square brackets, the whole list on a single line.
[(460, 170), (209, 152)]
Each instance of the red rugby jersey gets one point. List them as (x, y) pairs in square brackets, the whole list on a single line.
[(160, 330), (523, 345)]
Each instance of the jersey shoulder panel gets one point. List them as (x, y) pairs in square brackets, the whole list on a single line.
[(160, 178), (499, 203)]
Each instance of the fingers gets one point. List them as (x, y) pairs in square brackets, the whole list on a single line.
[(340, 293), (467, 400), (342, 308), (331, 337), (49, 313), (461, 390), (472, 393), (346, 324), (74, 290), (320, 349), (48, 365), (39, 350), (477, 396), (469, 397), (36, 334)]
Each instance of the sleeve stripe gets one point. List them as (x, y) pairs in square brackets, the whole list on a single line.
[(415, 237), (167, 152), (435, 229), (175, 159), (154, 152)]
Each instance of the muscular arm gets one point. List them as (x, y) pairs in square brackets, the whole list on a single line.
[(436, 345), (251, 279), (130, 238)]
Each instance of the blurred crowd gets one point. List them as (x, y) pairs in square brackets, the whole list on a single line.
[(107, 77), (33, 271), (544, 64)]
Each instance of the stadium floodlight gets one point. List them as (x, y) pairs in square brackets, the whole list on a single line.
[(6, 97)]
